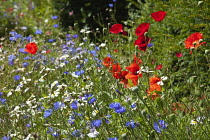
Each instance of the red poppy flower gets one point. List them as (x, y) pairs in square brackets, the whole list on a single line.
[(31, 48), (154, 86), (107, 62), (9, 9), (125, 33), (159, 67), (142, 28), (116, 28), (142, 42), (158, 16), (137, 60), (115, 67), (121, 75), (116, 50), (178, 54), (194, 41), (134, 68)]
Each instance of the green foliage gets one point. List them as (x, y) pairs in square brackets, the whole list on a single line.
[(32, 14)]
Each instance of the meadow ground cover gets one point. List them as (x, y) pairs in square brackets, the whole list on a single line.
[(144, 78)]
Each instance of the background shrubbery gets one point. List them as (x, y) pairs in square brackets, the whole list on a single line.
[(65, 92)]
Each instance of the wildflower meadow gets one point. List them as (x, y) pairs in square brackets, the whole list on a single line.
[(144, 78)]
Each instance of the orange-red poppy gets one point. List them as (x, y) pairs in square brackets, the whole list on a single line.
[(121, 76), (133, 68), (31, 48), (158, 16), (115, 68), (194, 41), (137, 60), (107, 62), (142, 28), (134, 74), (154, 86), (142, 42)]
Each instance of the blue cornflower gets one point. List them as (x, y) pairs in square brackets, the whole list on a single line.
[(47, 113), (96, 123), (50, 130), (25, 64), (17, 77), (97, 48), (29, 38), (11, 57), (114, 105), (68, 35), (93, 52), (75, 36), (150, 45), (22, 50), (66, 72), (115, 138), (74, 105), (133, 105), (28, 125), (111, 5), (26, 58), (92, 100), (130, 124), (54, 17), (6, 138), (55, 25), (76, 133), (1, 93), (120, 109), (38, 32), (160, 125), (12, 33), (86, 96), (78, 73), (68, 39), (58, 105), (55, 134), (18, 36), (51, 40), (2, 100), (12, 38), (79, 66)]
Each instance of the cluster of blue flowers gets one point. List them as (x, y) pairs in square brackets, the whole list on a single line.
[(117, 107)]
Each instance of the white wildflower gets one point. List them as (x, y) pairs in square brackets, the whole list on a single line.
[(102, 45)]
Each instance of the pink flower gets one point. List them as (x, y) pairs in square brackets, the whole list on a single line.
[(159, 67), (178, 54)]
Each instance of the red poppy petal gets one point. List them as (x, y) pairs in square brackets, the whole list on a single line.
[(142, 28), (116, 28), (158, 16)]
